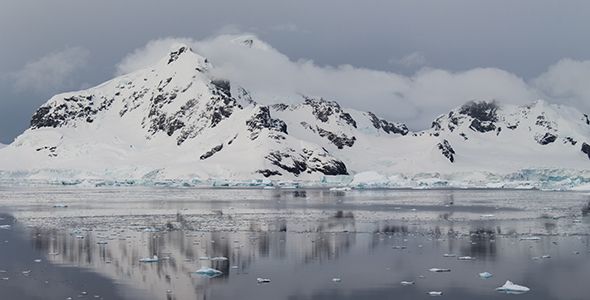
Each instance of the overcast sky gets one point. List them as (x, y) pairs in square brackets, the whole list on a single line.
[(407, 61)]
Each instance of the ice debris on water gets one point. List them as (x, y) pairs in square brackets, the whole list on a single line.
[(207, 272), (407, 282), (262, 280), (439, 270), (219, 258), (449, 255), (511, 288), (465, 258), (434, 293), (149, 259), (531, 238), (336, 279), (485, 275), (5, 226)]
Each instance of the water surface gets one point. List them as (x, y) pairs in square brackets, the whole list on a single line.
[(301, 239)]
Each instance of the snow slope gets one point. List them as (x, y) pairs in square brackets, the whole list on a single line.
[(174, 120)]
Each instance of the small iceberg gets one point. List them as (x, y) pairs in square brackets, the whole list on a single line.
[(262, 280), (207, 272), (439, 270), (531, 238), (407, 282), (465, 258), (485, 275), (433, 293), (336, 279), (219, 258), (149, 259), (510, 288)]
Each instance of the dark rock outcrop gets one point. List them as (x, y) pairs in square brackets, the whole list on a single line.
[(447, 150)]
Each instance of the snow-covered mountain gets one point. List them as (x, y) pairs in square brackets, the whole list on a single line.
[(174, 120)]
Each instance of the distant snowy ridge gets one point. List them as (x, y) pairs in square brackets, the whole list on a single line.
[(174, 121)]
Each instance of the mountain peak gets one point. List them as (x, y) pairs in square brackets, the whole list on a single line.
[(250, 41)]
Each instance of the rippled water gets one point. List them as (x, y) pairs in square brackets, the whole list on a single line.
[(301, 240)]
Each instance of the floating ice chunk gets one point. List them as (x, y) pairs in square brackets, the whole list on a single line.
[(488, 216), (5, 226), (102, 242), (219, 258), (149, 259), (150, 230), (407, 282), (336, 279), (511, 288), (485, 275), (399, 247), (38, 260), (465, 258), (262, 280), (546, 256), (439, 270), (207, 272), (531, 238), (204, 258), (449, 255), (433, 293)]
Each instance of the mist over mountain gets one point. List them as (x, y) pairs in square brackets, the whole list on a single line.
[(178, 119)]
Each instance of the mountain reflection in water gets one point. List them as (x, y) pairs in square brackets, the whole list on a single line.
[(302, 239)]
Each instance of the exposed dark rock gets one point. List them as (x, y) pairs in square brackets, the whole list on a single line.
[(223, 86), (309, 161), (211, 152), (73, 108), (323, 109), (447, 150), (463, 135), (482, 111), (261, 119), (570, 140), (280, 106), (586, 149), (287, 161), (587, 120), (338, 140), (49, 149), (544, 122), (268, 173), (482, 126), (175, 54), (387, 126), (548, 138)]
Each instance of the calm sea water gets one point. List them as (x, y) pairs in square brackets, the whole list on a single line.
[(309, 243)]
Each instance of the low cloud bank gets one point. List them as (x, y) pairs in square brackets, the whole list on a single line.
[(414, 100)]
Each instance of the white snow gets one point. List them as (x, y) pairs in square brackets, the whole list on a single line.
[(120, 147), (510, 287)]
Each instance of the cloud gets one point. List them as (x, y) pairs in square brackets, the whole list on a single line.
[(568, 82), (52, 72), (415, 59), (270, 76)]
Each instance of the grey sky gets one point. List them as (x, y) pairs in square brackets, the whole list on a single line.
[(524, 48)]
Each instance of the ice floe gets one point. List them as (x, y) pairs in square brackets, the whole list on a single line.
[(149, 259), (511, 288), (207, 272)]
